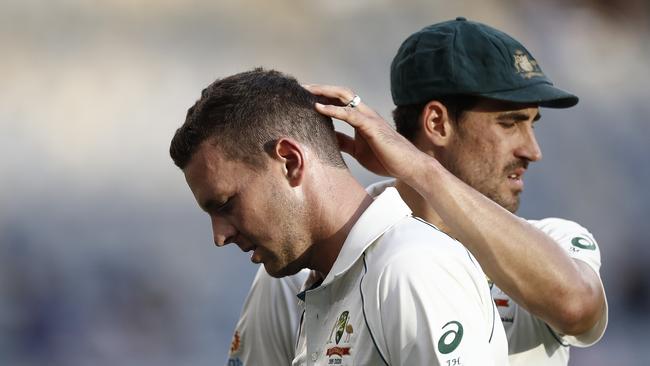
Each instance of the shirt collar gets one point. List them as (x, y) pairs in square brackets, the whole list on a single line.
[(313, 280), (377, 188), (384, 212)]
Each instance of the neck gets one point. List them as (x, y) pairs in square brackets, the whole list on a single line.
[(419, 205), (340, 202)]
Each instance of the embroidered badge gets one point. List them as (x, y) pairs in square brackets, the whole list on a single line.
[(342, 333), (339, 326), (526, 67)]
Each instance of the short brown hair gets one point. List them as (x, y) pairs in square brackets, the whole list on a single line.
[(244, 113)]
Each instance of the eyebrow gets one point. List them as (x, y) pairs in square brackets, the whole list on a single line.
[(517, 116)]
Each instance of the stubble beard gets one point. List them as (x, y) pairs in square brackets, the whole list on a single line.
[(289, 258), (488, 183), (511, 205)]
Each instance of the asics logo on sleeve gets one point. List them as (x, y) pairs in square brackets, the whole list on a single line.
[(450, 340), (583, 243)]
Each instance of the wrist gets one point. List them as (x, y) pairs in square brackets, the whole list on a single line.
[(425, 171)]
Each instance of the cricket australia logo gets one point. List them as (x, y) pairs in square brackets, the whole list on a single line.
[(340, 339), (526, 67)]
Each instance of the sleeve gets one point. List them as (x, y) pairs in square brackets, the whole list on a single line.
[(266, 332), (580, 244), (435, 313), (577, 241)]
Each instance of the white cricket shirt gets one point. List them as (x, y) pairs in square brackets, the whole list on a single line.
[(267, 330), (400, 292)]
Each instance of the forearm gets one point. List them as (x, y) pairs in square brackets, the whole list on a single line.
[(522, 260)]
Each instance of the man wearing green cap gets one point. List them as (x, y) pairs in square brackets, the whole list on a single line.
[(467, 97)]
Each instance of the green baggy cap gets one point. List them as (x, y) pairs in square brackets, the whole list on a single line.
[(460, 57)]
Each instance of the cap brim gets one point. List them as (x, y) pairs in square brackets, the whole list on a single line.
[(543, 94)]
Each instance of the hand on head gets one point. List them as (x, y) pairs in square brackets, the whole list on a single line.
[(376, 145)]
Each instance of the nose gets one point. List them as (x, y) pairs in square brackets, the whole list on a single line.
[(529, 148), (223, 233)]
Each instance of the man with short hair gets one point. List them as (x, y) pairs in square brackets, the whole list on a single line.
[(266, 168), (467, 96)]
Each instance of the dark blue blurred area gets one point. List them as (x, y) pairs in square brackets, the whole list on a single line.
[(115, 282), (106, 260)]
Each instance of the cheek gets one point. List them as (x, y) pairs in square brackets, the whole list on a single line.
[(260, 217), (473, 151), (250, 219), (478, 159), (486, 149)]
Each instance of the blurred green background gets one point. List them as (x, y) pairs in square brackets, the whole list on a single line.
[(105, 258)]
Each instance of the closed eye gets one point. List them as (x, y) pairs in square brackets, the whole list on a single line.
[(225, 206), (214, 206), (510, 119)]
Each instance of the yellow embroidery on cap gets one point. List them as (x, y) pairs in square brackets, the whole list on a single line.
[(526, 67)]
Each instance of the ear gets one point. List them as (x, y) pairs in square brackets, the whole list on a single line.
[(435, 124), (292, 155)]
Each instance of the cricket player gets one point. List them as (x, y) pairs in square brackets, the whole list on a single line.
[(467, 97), (383, 287)]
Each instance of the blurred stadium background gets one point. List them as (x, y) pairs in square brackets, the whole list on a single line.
[(106, 260)]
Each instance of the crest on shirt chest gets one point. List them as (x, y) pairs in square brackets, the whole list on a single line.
[(340, 340)]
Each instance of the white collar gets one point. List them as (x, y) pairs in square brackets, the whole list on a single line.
[(377, 188), (384, 212)]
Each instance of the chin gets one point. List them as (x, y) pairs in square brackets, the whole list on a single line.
[(277, 273), (272, 271), (287, 270), (513, 205), (509, 203)]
